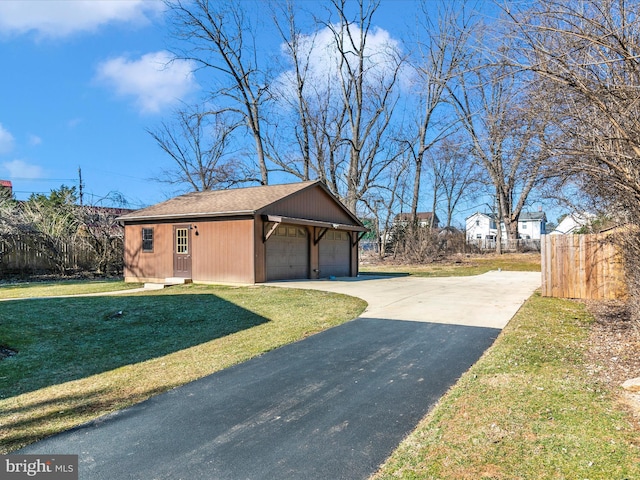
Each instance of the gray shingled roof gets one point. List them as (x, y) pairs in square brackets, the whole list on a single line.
[(532, 216), (219, 202)]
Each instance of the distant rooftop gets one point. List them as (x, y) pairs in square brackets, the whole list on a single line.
[(405, 217), (532, 216), (524, 216)]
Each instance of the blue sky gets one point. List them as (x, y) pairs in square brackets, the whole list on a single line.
[(83, 81)]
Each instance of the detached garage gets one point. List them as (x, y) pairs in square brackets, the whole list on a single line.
[(246, 235)]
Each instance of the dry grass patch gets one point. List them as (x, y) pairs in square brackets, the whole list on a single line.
[(76, 362), (457, 266)]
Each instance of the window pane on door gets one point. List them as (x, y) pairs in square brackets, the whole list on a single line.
[(182, 237)]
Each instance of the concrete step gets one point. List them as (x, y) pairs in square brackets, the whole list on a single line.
[(167, 283), (177, 281)]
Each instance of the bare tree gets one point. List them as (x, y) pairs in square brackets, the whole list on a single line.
[(101, 234), (586, 55), (342, 88), (384, 202), (314, 114), (219, 37), (298, 48), (441, 56), (369, 96), (51, 224), (199, 143), (9, 217), (507, 132), (456, 173)]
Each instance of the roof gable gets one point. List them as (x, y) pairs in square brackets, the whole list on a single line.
[(315, 202), (240, 201), (478, 214)]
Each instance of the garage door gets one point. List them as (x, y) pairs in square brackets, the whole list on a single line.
[(288, 253), (335, 254)]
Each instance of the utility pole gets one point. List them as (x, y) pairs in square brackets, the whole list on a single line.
[(80, 184)]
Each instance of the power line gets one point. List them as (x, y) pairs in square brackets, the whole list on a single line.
[(26, 179)]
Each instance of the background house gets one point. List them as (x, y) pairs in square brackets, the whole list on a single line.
[(424, 219), (6, 188), (482, 228), (246, 235), (572, 223), (532, 225)]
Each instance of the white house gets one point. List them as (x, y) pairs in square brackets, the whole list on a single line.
[(481, 227), (573, 222), (532, 225)]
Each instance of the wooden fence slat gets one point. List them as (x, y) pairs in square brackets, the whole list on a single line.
[(581, 266), (25, 255), (544, 249)]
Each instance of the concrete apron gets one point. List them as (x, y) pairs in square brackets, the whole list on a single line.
[(488, 300)]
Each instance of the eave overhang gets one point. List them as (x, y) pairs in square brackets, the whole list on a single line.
[(314, 223), (183, 216)]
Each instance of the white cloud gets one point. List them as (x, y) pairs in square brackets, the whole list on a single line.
[(74, 122), (155, 80), (54, 18), (22, 169), (6, 140), (34, 140), (320, 49)]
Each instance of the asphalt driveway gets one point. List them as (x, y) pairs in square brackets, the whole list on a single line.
[(332, 406)]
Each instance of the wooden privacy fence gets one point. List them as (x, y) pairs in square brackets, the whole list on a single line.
[(582, 266), (27, 255), (519, 245)]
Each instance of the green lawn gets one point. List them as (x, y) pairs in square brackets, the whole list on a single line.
[(527, 410), (66, 287), (79, 358)]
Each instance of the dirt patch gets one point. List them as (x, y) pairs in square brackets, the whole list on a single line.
[(6, 352), (614, 349)]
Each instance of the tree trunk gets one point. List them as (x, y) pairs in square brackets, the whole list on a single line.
[(416, 188)]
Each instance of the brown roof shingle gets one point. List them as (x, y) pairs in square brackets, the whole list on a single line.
[(219, 202)]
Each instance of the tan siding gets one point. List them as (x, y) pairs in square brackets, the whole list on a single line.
[(148, 266), (312, 203), (355, 262), (314, 253), (223, 251), (259, 252), (231, 249)]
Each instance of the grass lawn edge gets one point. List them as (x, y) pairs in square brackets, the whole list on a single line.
[(524, 411)]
